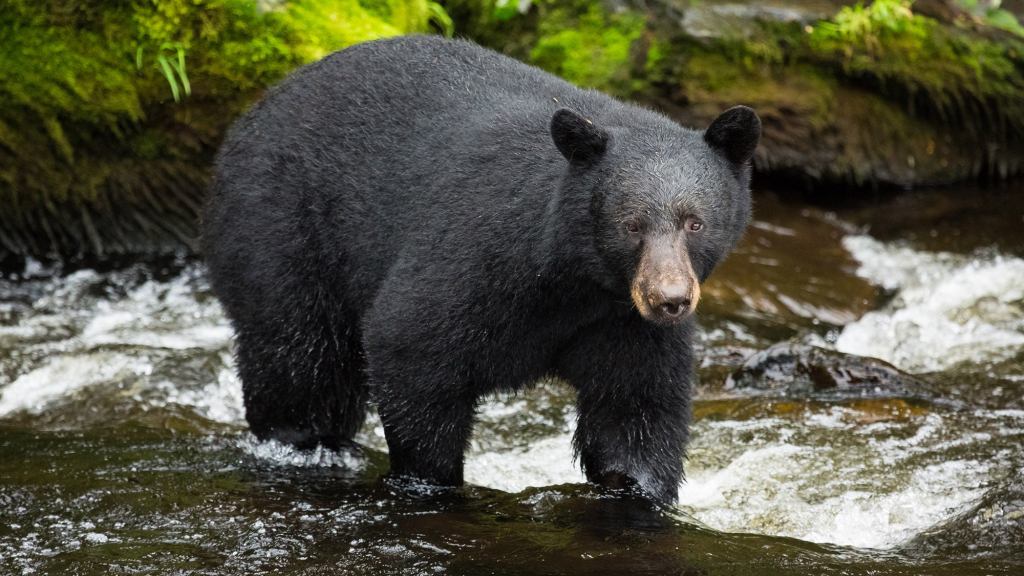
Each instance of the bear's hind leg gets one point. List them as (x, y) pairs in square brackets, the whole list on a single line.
[(303, 384), (427, 431), (425, 403)]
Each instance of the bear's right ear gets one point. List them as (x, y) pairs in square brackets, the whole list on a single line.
[(735, 134), (578, 139)]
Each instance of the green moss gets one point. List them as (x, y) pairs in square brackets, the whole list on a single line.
[(319, 27), (112, 110), (973, 80), (588, 45), (926, 68), (941, 90), (592, 44)]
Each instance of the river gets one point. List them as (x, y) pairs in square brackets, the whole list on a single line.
[(123, 447)]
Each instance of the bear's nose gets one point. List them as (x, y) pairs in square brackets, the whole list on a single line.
[(673, 300)]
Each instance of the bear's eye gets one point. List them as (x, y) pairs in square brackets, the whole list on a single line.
[(694, 225), (632, 226)]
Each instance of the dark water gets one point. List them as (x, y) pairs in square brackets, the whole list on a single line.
[(123, 448)]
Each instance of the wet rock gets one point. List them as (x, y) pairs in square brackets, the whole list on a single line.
[(732, 19), (796, 369), (992, 528)]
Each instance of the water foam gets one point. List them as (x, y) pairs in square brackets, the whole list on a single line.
[(823, 478), (544, 462), (947, 309), (280, 454), (62, 376), (159, 315), (220, 401), (87, 329)]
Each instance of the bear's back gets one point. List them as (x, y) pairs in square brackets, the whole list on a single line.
[(392, 144), (396, 93)]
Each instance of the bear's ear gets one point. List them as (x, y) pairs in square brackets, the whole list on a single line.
[(578, 139), (735, 134)]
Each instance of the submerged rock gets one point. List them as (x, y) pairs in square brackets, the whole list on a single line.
[(796, 369), (993, 527)]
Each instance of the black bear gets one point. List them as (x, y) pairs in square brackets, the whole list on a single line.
[(420, 222)]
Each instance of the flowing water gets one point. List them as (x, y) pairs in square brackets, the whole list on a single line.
[(123, 447)]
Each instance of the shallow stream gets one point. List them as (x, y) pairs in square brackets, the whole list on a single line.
[(123, 447)]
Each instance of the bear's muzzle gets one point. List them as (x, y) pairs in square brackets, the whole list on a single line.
[(665, 288)]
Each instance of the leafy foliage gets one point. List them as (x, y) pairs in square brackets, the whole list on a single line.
[(992, 14), (588, 43)]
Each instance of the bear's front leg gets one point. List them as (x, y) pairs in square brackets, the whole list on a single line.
[(633, 383)]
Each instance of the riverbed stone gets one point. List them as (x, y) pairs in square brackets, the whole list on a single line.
[(993, 527), (798, 369)]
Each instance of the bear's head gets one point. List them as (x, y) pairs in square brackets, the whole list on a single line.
[(667, 204)]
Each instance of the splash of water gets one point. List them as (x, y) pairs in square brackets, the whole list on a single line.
[(947, 309)]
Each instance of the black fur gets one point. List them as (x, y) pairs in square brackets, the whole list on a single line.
[(577, 138), (736, 133), (397, 222)]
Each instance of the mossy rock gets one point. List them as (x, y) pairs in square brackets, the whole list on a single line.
[(113, 111), (861, 96)]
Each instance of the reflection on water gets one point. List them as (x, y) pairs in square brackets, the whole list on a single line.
[(122, 438)]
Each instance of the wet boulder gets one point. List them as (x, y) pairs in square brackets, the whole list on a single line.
[(798, 369), (992, 528)]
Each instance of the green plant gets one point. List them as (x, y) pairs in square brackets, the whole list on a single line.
[(871, 27), (173, 68), (507, 9), (956, 74), (993, 14), (440, 19)]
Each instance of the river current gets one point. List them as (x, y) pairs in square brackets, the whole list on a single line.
[(123, 444)]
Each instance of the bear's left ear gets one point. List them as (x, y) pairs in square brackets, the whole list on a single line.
[(735, 134), (578, 139)]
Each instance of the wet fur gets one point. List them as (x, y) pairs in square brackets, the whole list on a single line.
[(395, 223)]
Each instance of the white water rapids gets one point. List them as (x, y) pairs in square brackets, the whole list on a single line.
[(840, 474)]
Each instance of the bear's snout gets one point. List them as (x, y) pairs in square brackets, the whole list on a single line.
[(668, 300), (672, 299), (665, 289)]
